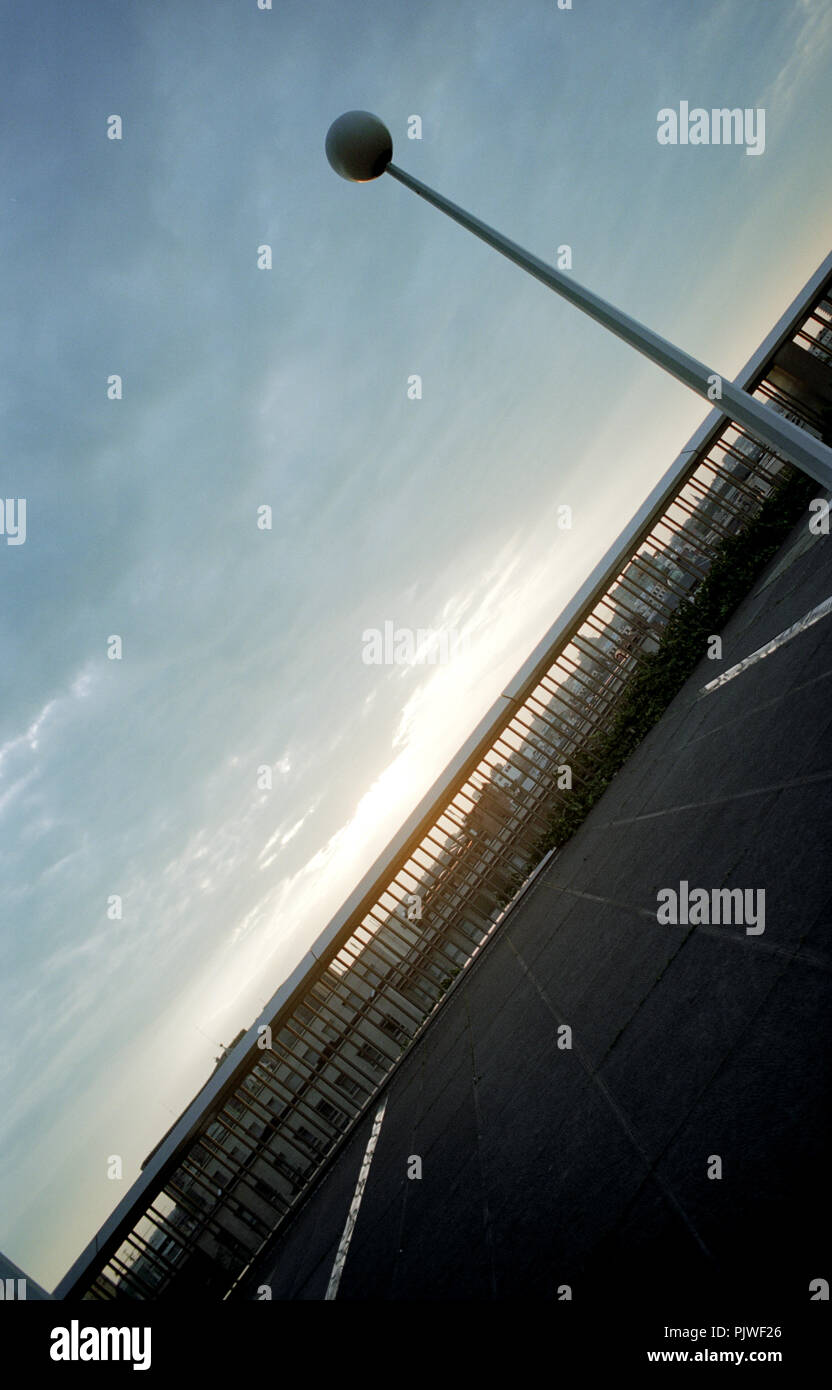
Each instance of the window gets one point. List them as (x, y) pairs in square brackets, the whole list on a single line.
[(310, 1141), (285, 1168), (330, 1112), (371, 1054), (394, 1030), (347, 1084)]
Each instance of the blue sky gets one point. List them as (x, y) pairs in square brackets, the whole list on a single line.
[(288, 387)]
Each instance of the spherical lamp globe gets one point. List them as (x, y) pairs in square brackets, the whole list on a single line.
[(359, 146)]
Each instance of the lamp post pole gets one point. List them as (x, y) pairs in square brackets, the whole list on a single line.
[(360, 148)]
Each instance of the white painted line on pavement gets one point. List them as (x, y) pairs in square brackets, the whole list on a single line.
[(352, 1217), (813, 616)]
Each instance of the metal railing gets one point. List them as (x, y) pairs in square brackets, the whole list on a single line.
[(245, 1152)]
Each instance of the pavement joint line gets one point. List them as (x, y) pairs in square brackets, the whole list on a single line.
[(722, 800), (597, 898), (821, 610), (486, 1214), (624, 1123), (755, 709), (719, 933), (798, 548), (728, 1057), (352, 1215), (413, 1128)]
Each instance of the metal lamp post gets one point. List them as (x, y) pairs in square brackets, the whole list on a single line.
[(360, 148)]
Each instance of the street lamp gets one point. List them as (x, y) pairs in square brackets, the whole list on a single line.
[(360, 148)]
